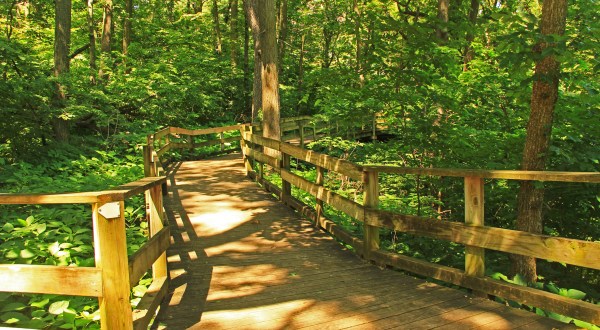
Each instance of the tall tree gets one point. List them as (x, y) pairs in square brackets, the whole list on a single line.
[(253, 20), (234, 32), (282, 27), (107, 23), (442, 15), (539, 129), (269, 72), (468, 52), (216, 27), (127, 25), (92, 39), (62, 41)]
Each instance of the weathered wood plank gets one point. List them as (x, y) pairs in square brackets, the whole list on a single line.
[(590, 177), (204, 131), (341, 166), (343, 204), (63, 280), (371, 233), (142, 259), (529, 296), (570, 251), (474, 215), (259, 156)]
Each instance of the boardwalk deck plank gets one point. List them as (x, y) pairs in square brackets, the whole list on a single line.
[(242, 260)]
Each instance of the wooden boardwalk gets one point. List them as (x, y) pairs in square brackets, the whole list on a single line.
[(242, 260)]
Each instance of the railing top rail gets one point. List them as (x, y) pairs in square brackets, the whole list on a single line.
[(588, 177), (105, 196)]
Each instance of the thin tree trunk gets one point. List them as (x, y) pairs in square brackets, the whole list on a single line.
[(282, 28), (257, 82), (127, 25), (358, 40), (107, 27), (234, 33), (301, 74), (468, 53), (92, 37), (62, 40), (270, 79), (247, 102), (443, 14), (217, 29), (539, 129)]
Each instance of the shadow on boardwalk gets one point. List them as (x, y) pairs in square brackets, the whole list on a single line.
[(242, 260)]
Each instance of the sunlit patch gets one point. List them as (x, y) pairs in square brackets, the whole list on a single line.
[(193, 255), (178, 295), (174, 258), (218, 222), (231, 282), (275, 316), (247, 245)]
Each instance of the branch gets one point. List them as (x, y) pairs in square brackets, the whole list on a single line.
[(79, 51)]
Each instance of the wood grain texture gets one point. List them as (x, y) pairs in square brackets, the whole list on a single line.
[(570, 251), (142, 259), (145, 311), (72, 281)]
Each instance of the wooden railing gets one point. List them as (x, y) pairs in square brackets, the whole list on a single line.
[(114, 273), (473, 234)]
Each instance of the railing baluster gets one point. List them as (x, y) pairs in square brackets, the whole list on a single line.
[(111, 255), (320, 180), (371, 200), (156, 223), (474, 215)]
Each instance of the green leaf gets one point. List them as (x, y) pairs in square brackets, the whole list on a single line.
[(13, 317), (8, 227), (576, 294), (26, 254), (519, 280), (58, 307), (15, 306)]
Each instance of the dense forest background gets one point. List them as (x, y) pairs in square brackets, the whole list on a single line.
[(451, 79)]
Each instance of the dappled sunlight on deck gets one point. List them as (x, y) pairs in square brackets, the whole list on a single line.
[(242, 260)]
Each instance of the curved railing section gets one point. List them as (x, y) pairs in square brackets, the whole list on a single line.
[(473, 233)]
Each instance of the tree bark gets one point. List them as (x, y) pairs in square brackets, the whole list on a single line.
[(107, 27), (217, 29), (251, 8), (539, 129), (92, 38), (301, 74), (468, 53), (443, 14), (62, 40), (270, 78), (127, 25), (282, 28), (234, 33), (247, 93), (357, 36)]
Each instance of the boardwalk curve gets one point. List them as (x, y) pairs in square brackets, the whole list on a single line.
[(242, 260)]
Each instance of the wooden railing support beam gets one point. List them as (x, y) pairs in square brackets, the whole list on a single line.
[(371, 200), (474, 215), (111, 256), (320, 180)]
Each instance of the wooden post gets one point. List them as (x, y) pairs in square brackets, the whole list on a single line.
[(245, 131), (320, 180), (474, 212), (155, 212), (301, 127), (371, 200), (148, 160), (190, 142), (286, 187), (222, 142), (110, 248)]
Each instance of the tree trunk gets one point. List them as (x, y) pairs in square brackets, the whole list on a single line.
[(442, 30), (282, 28), (92, 37), (217, 29), (251, 8), (300, 74), (107, 27), (62, 40), (127, 25), (270, 79), (468, 53), (234, 33), (247, 102), (539, 129), (358, 40)]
